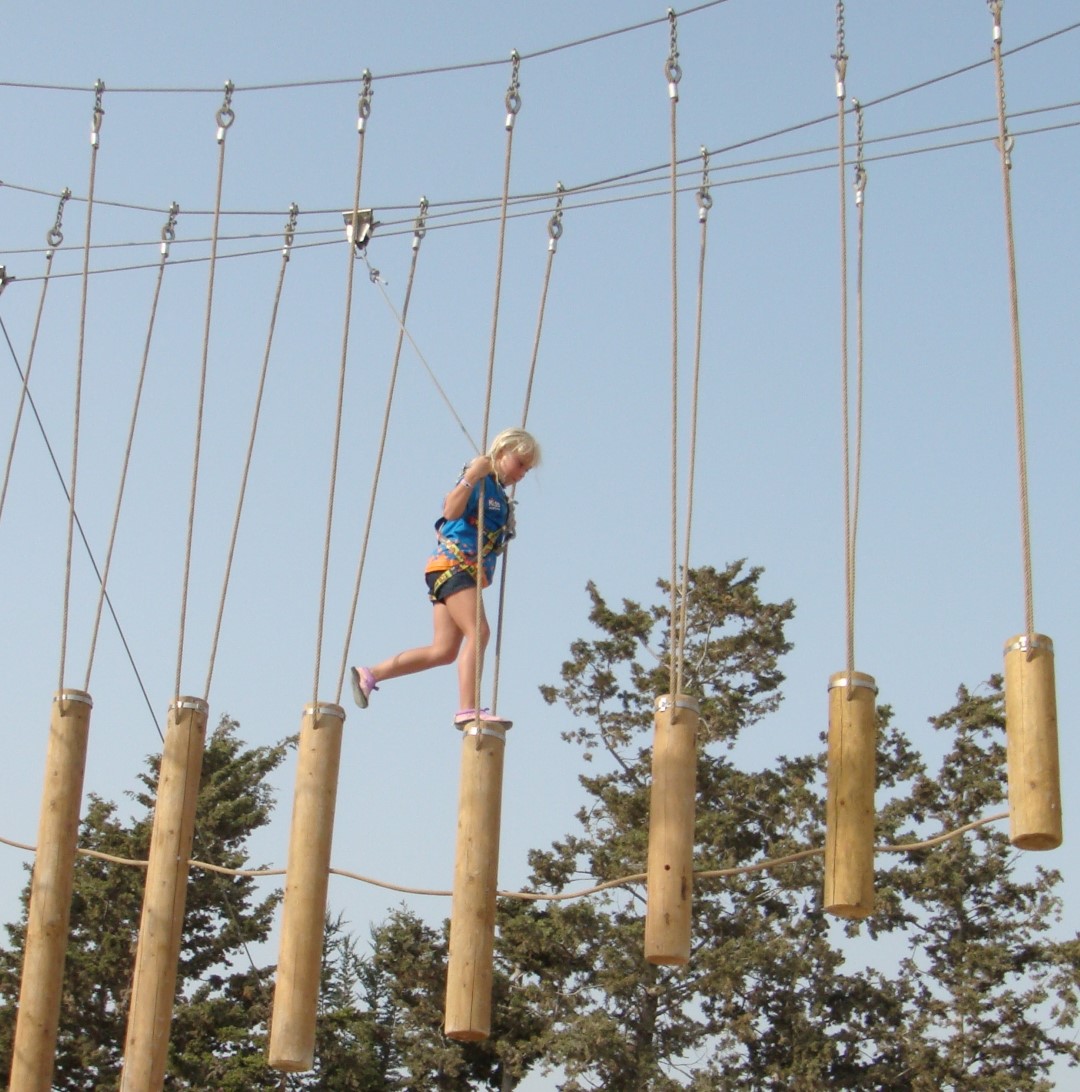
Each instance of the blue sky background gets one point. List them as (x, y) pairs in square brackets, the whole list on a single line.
[(940, 585)]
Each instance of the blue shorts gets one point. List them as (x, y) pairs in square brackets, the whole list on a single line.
[(455, 582)]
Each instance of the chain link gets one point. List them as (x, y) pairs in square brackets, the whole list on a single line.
[(513, 92), (364, 105), (55, 236), (225, 115)]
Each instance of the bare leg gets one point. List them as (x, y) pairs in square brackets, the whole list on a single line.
[(462, 608), (445, 643)]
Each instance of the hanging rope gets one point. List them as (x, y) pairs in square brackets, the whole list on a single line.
[(356, 240), (554, 234), (1005, 146), (286, 252), (704, 202), (513, 106), (419, 231), (860, 206), (674, 73), (168, 234), (225, 118), (95, 131), (54, 238)]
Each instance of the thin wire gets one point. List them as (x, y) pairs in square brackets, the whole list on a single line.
[(285, 255), (363, 113), (224, 119), (418, 235), (167, 231), (1005, 144)]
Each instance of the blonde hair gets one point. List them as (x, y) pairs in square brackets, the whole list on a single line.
[(518, 441)]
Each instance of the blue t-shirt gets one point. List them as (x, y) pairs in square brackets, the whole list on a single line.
[(456, 546)]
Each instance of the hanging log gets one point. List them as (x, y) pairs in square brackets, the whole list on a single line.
[(476, 870), (49, 912), (1032, 743), (303, 922), (849, 808), (154, 983), (671, 830)]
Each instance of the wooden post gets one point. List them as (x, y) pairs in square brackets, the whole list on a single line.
[(303, 919), (153, 986), (671, 830), (49, 914), (1032, 735), (849, 808), (476, 867)]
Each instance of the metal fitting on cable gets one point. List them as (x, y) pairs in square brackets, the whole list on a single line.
[(99, 113), (420, 224), (225, 115), (290, 231), (704, 198), (55, 236), (364, 105), (860, 170), (555, 223), (671, 66), (513, 93), (168, 232), (995, 10), (840, 57), (5, 278)]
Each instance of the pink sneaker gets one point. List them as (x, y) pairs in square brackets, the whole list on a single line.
[(363, 682), (482, 716)]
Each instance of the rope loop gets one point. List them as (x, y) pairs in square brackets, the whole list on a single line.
[(290, 231), (363, 107), (55, 236), (671, 66), (704, 197), (513, 92), (225, 116), (99, 113)]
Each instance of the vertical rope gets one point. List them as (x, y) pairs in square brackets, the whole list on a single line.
[(840, 59), (554, 234), (225, 118), (54, 238), (513, 106), (674, 73), (286, 250), (704, 199), (1005, 144), (95, 131), (355, 242), (419, 231), (860, 194), (168, 233)]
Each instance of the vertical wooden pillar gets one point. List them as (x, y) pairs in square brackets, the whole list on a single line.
[(476, 868), (671, 830), (303, 921), (1031, 729), (153, 986), (849, 808), (49, 914)]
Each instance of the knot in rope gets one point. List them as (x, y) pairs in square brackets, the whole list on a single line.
[(364, 105), (225, 115), (671, 66), (55, 236), (513, 92)]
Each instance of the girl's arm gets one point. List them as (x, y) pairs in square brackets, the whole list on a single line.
[(456, 500)]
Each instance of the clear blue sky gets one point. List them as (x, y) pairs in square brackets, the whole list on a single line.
[(940, 582)]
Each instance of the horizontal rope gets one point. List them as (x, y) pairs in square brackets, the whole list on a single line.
[(537, 896)]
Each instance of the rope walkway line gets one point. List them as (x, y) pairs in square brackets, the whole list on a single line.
[(168, 233), (225, 117), (566, 896), (286, 253), (357, 238), (419, 230)]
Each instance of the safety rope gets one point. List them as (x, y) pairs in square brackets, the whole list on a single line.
[(54, 238), (355, 242), (541, 896), (673, 73), (286, 253), (1005, 146), (168, 234), (224, 117), (704, 201), (555, 230), (95, 131), (856, 487), (513, 106), (419, 231)]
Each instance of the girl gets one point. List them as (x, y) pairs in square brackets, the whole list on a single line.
[(452, 572)]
